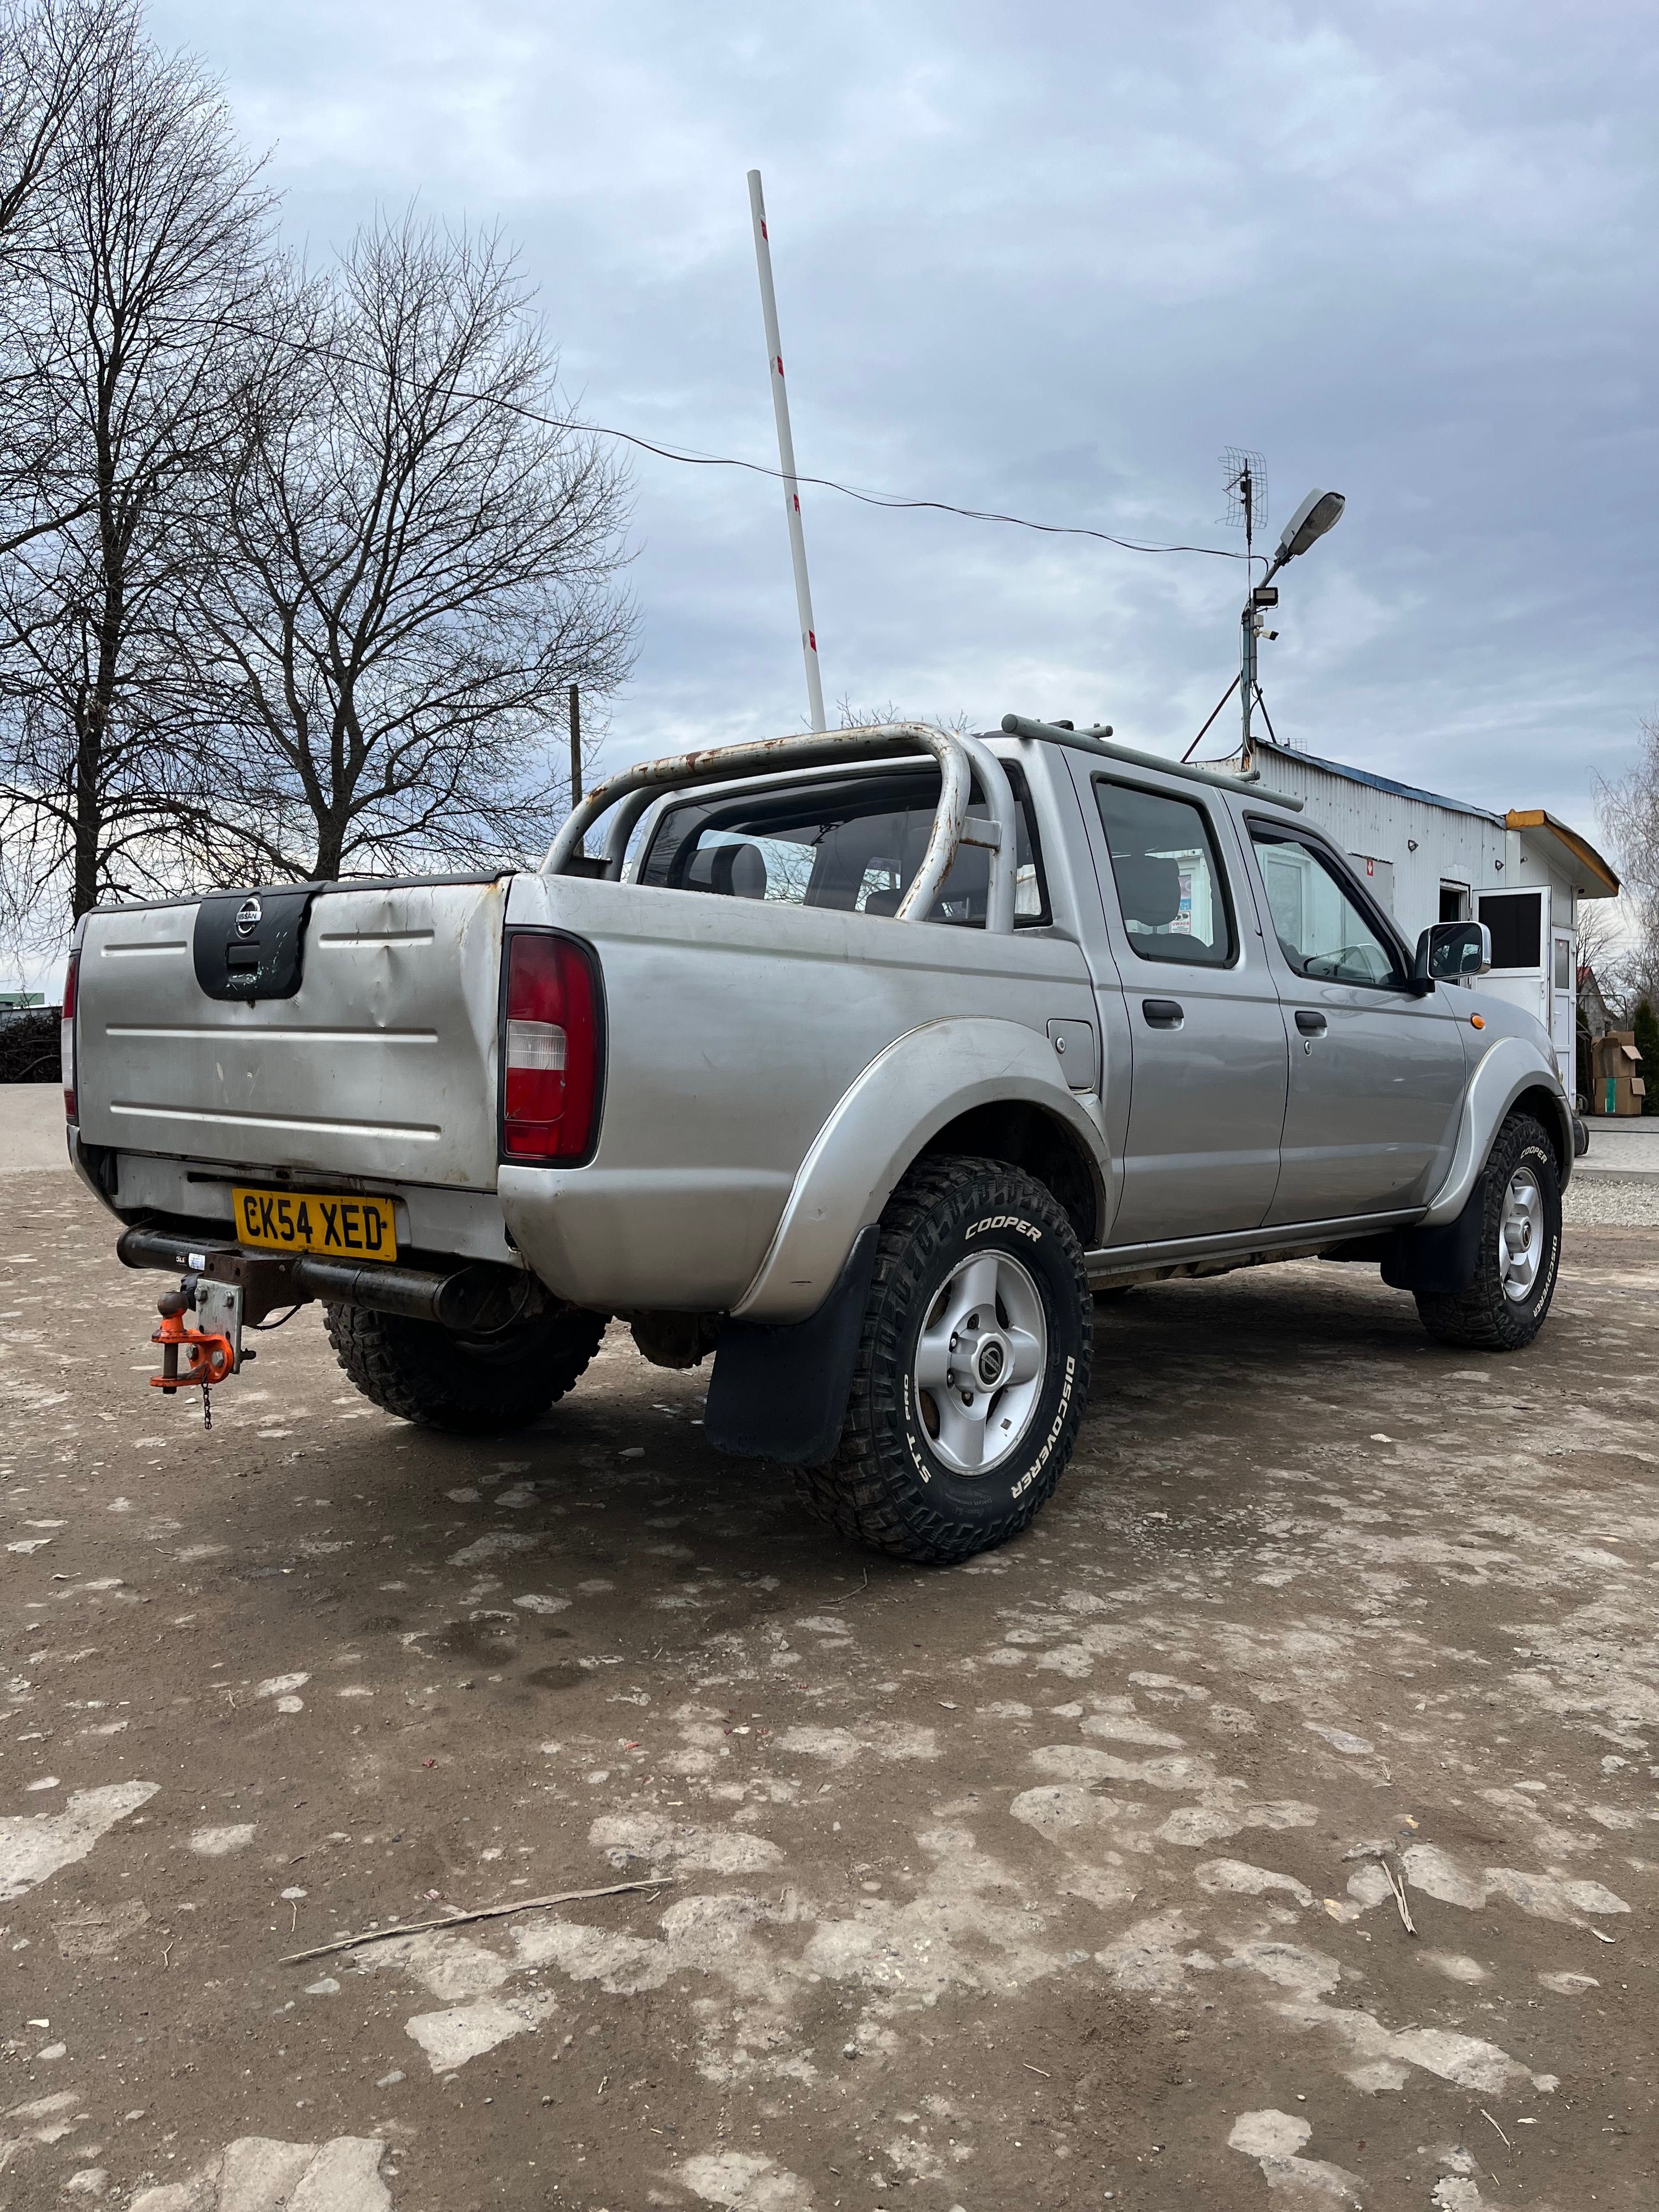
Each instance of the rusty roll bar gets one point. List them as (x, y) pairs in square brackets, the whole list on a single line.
[(960, 761)]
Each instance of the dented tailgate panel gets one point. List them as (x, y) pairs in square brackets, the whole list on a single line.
[(383, 1063)]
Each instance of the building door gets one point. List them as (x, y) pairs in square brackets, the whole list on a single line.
[(1564, 1006), (1376, 1073), (1207, 1073)]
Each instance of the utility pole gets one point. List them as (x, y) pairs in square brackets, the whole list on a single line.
[(809, 641), (1250, 621), (576, 752)]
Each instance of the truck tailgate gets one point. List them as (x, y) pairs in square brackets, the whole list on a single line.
[(383, 1063)]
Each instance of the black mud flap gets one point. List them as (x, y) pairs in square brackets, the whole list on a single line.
[(779, 1391), (1442, 1259), (251, 944)]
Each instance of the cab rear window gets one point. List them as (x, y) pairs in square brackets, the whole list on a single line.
[(854, 843)]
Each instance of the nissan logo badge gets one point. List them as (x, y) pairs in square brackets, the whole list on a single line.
[(248, 917)]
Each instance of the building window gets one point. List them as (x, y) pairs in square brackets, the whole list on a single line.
[(1516, 920), (1454, 902)]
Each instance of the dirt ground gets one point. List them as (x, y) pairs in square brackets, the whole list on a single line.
[(1062, 1880)]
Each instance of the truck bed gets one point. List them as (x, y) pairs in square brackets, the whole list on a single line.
[(732, 1029)]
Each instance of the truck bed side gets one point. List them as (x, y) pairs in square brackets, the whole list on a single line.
[(733, 1028)]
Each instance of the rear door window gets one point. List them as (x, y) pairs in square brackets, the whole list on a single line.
[(854, 844), (1170, 890)]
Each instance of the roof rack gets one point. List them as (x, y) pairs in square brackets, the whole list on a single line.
[(1097, 740)]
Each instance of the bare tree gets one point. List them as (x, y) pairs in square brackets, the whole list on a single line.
[(47, 51), (853, 717), (46, 47), (423, 563), (1599, 933), (147, 273), (1630, 815)]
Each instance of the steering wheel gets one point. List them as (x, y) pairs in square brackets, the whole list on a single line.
[(1349, 963)]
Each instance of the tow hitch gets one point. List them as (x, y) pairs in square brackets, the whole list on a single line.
[(228, 1289), (211, 1352)]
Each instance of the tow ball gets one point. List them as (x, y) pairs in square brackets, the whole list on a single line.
[(210, 1353)]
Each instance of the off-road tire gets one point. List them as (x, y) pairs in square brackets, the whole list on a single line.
[(1484, 1317), (473, 1386), (885, 1485)]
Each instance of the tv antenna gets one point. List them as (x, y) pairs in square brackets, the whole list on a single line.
[(1246, 494), (1247, 503)]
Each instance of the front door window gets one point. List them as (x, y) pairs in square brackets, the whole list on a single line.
[(1323, 935)]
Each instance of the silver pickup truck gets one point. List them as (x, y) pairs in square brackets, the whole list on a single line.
[(866, 1062)]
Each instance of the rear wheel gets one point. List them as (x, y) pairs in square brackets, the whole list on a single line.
[(472, 1386), (1519, 1252), (972, 1370)]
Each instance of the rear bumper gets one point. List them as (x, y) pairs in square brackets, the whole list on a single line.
[(473, 1299), (431, 1217)]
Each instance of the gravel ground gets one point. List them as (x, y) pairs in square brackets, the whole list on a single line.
[(1064, 1880), (1611, 1201)]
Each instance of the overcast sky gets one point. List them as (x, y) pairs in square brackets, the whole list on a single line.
[(1053, 259)]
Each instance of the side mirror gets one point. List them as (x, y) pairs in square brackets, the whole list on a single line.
[(1450, 951)]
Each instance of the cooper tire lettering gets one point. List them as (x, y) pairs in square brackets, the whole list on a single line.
[(994, 1221)]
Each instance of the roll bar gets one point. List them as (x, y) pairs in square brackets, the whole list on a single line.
[(961, 760)]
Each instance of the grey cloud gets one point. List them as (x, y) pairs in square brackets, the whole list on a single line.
[(1053, 259)]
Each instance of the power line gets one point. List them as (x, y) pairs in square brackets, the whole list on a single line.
[(896, 501), (690, 457)]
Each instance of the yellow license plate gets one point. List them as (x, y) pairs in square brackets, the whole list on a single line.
[(309, 1221)]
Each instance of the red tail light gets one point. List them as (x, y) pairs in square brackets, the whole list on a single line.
[(70, 977), (550, 1048)]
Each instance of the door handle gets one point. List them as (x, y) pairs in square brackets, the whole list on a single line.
[(1310, 1023), (1163, 1013)]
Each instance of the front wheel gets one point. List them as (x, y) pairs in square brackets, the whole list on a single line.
[(972, 1370), (1519, 1253), (472, 1386)]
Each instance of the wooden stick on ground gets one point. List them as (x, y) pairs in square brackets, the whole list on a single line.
[(460, 1919), (1396, 1883)]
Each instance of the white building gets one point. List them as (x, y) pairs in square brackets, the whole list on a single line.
[(1428, 858)]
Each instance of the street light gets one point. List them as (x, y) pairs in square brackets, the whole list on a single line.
[(1321, 511)]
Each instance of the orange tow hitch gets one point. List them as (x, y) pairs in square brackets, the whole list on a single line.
[(209, 1356)]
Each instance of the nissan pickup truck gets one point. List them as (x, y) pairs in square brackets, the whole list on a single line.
[(866, 1063)]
